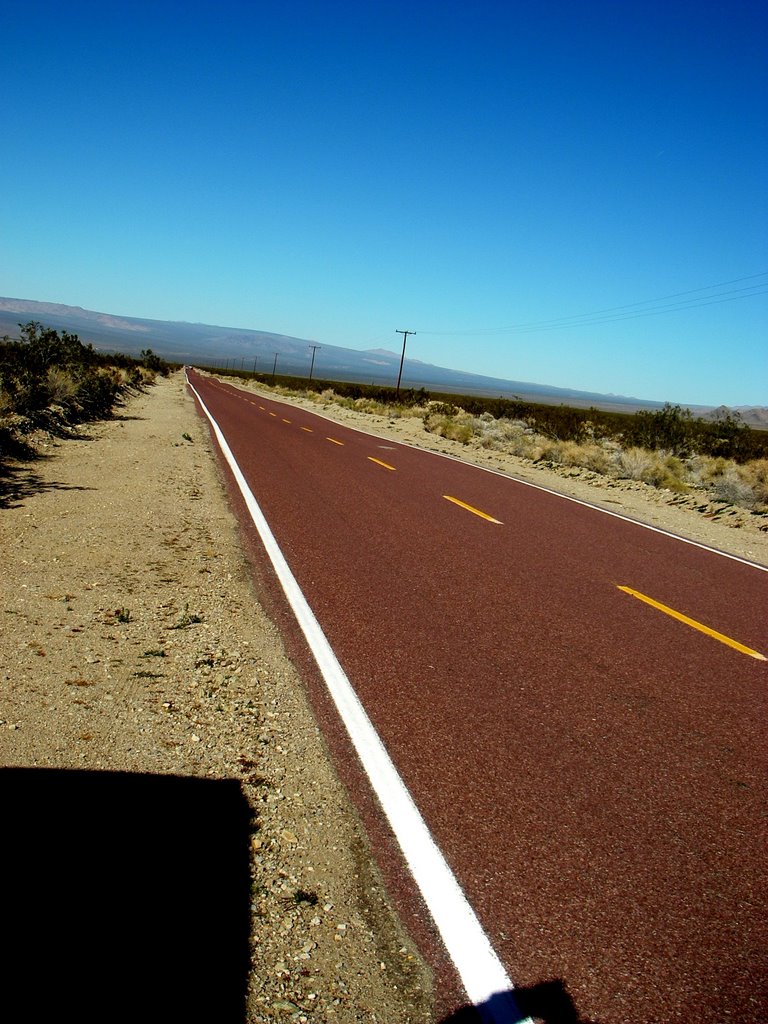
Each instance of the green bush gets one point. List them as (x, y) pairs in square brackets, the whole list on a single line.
[(46, 368), (153, 362), (668, 429)]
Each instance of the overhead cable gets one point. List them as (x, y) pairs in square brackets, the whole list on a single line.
[(631, 311)]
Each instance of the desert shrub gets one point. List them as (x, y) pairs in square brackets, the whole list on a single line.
[(512, 428), (559, 423), (572, 454), (737, 484), (665, 471), (673, 475), (705, 470), (460, 430), (50, 368), (745, 484), (41, 347), (134, 377), (6, 400), (756, 473), (733, 489), (151, 361), (372, 407), (409, 412), (487, 430), (61, 386), (561, 453), (634, 463), (455, 428), (726, 436), (25, 393), (668, 429), (334, 390), (526, 446), (436, 423), (518, 439), (97, 393), (442, 408), (598, 458)]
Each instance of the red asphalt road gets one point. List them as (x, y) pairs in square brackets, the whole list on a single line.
[(592, 769)]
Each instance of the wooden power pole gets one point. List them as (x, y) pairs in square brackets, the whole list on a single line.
[(402, 357)]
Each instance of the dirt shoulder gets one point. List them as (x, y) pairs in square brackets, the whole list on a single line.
[(132, 641)]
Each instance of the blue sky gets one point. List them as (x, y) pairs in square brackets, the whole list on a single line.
[(487, 174)]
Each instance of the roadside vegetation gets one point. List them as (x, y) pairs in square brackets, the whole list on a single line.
[(51, 381), (667, 448)]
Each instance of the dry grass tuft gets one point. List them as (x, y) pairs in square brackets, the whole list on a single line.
[(459, 427), (634, 463), (62, 386)]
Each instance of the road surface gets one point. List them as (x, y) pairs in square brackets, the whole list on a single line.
[(576, 704)]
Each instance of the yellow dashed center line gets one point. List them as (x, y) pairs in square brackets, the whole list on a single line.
[(334, 441), (308, 430), (273, 414), (473, 510), (262, 408), (694, 624), (378, 462), (285, 420)]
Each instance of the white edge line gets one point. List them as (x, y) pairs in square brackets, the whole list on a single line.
[(529, 483), (475, 960)]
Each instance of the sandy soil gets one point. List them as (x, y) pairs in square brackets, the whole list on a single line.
[(132, 640)]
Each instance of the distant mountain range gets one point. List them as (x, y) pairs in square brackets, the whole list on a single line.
[(207, 345)]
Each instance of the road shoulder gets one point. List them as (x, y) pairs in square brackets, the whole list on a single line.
[(134, 643)]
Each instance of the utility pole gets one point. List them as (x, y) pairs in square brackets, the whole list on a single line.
[(312, 365), (274, 367), (255, 360), (402, 357)]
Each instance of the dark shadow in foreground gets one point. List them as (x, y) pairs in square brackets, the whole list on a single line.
[(125, 897), (548, 1002)]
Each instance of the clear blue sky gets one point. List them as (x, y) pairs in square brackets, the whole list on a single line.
[(340, 170)]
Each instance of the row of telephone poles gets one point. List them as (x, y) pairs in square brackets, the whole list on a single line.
[(315, 349), (274, 364)]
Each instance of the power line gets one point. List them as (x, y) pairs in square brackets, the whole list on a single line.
[(673, 308), (600, 316)]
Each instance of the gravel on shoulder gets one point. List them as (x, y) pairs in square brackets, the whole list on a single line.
[(133, 642)]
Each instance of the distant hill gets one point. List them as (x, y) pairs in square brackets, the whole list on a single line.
[(209, 345), (753, 416)]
